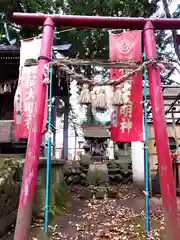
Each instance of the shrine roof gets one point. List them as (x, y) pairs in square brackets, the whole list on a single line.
[(96, 131), (9, 49), (9, 62)]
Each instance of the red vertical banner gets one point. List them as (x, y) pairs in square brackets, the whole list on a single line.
[(25, 93), (127, 119)]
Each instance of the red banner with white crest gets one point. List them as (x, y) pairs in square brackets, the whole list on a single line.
[(125, 46), (127, 119)]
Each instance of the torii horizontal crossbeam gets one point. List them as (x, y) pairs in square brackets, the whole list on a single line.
[(95, 21)]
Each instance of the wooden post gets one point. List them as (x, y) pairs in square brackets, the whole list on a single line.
[(65, 128), (174, 129), (54, 116)]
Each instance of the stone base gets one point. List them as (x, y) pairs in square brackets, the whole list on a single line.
[(78, 174), (10, 177), (57, 185), (98, 174)]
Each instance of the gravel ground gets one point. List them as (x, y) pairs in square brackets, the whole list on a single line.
[(115, 219)]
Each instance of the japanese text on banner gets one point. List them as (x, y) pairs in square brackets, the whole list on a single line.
[(126, 125), (29, 98)]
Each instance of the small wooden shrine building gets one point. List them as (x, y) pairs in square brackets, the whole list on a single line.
[(9, 73)]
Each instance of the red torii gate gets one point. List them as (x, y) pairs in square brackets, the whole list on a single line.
[(32, 156)]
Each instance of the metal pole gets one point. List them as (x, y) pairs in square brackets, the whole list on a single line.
[(146, 150), (6, 31), (169, 86), (66, 129), (28, 187), (161, 135), (48, 166)]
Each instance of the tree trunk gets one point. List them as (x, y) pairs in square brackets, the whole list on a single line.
[(89, 107), (174, 129), (65, 129), (54, 114)]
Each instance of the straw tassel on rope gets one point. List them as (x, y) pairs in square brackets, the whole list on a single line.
[(117, 98), (121, 94), (94, 98), (101, 100), (85, 96)]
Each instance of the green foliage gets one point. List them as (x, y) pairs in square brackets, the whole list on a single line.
[(93, 43), (44, 236), (7, 7), (87, 43), (45, 6), (51, 216), (61, 200), (58, 202)]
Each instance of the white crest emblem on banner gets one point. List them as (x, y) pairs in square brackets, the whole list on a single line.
[(125, 46)]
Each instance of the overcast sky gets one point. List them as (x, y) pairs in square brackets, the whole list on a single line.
[(172, 7)]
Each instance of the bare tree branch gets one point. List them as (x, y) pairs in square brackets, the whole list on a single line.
[(174, 32)]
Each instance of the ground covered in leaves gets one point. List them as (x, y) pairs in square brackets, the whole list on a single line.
[(120, 218)]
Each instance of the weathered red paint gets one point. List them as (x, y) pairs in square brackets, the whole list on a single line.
[(94, 21), (161, 135), (33, 149)]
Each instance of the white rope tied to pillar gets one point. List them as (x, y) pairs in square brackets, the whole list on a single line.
[(46, 74), (94, 98), (117, 98), (85, 96)]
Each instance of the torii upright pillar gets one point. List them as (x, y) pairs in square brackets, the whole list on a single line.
[(161, 135), (24, 216)]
